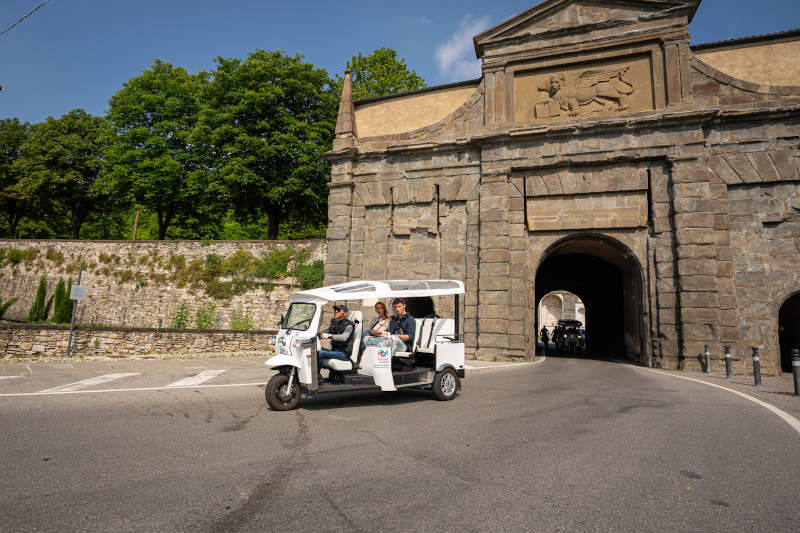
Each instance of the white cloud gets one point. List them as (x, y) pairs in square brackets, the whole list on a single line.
[(456, 57), (425, 21)]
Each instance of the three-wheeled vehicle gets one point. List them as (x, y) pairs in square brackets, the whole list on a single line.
[(435, 362), (570, 338)]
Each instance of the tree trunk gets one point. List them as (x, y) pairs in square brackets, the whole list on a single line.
[(273, 223), (13, 222)]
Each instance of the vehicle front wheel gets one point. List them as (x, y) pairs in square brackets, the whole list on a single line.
[(278, 396), (445, 385)]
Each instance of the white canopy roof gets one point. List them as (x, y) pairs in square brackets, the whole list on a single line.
[(373, 290)]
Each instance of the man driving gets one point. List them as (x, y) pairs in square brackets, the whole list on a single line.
[(402, 327), (340, 332)]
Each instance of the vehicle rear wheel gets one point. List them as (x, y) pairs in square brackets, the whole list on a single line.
[(277, 394), (445, 385)]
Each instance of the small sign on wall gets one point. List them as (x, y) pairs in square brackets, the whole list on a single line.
[(77, 292)]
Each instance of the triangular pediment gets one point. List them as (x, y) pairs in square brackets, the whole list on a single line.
[(554, 16)]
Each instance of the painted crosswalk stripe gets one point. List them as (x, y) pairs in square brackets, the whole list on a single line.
[(8, 377), (90, 382), (197, 379)]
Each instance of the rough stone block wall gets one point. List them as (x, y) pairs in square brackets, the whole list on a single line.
[(598, 211), (133, 284), (765, 234), (28, 340)]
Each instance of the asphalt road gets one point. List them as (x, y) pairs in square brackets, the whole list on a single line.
[(565, 445)]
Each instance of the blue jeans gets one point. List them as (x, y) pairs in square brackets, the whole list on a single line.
[(329, 354)]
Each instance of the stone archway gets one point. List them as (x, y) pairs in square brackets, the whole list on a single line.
[(789, 329), (550, 310), (608, 279)]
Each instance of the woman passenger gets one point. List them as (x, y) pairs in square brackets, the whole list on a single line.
[(380, 326)]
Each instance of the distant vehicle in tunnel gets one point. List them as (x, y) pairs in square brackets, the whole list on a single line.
[(571, 338)]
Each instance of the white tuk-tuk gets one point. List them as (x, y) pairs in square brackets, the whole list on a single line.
[(435, 361)]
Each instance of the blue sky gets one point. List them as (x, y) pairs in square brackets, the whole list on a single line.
[(77, 53)]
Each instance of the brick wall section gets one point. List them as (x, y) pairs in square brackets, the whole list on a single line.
[(35, 340), (135, 304)]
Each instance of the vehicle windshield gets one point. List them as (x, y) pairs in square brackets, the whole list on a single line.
[(299, 316)]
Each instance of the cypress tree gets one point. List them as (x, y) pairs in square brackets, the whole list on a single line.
[(58, 303), (37, 310)]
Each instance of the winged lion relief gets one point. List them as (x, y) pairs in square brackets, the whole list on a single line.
[(575, 96)]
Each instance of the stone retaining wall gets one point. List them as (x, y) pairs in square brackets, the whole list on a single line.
[(137, 283), (26, 340)]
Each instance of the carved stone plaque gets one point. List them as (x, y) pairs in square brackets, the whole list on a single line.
[(584, 91)]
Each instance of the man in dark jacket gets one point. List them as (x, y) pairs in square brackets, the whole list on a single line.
[(402, 327), (340, 332)]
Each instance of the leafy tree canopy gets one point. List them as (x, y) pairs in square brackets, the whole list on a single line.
[(13, 134), (266, 124), (380, 74), (150, 160), (61, 161)]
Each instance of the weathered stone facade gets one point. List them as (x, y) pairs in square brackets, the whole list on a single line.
[(137, 283), (599, 155)]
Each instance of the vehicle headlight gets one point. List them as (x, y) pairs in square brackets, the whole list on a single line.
[(280, 346)]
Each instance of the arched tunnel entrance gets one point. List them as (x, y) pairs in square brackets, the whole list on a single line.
[(607, 277), (789, 330)]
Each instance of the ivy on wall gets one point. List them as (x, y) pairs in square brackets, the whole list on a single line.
[(218, 276)]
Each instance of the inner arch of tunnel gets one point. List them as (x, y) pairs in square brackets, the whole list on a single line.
[(607, 277)]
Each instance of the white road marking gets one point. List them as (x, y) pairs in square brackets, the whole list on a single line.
[(9, 377), (506, 365), (69, 387), (786, 417), (197, 379), (138, 389)]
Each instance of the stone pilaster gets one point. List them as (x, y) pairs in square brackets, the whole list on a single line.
[(496, 336), (664, 294), (702, 256), (340, 199)]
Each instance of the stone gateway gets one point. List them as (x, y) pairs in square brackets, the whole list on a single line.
[(602, 154)]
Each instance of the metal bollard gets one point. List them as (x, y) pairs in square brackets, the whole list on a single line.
[(756, 367), (728, 368), (796, 370), (708, 361)]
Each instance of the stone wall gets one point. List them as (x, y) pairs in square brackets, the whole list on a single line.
[(30, 340), (765, 232), (141, 284), (658, 198)]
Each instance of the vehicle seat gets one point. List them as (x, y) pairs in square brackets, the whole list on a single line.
[(343, 366), (420, 322), (438, 326)]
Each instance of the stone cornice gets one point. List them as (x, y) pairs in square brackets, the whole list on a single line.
[(677, 32), (667, 118)]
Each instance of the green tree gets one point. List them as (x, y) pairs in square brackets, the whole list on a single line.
[(12, 206), (267, 122), (40, 307), (61, 160), (380, 74), (62, 305), (5, 306), (151, 161)]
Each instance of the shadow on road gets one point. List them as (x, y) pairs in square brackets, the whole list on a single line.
[(346, 400), (605, 357)]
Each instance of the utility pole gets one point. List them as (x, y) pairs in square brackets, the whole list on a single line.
[(74, 307)]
